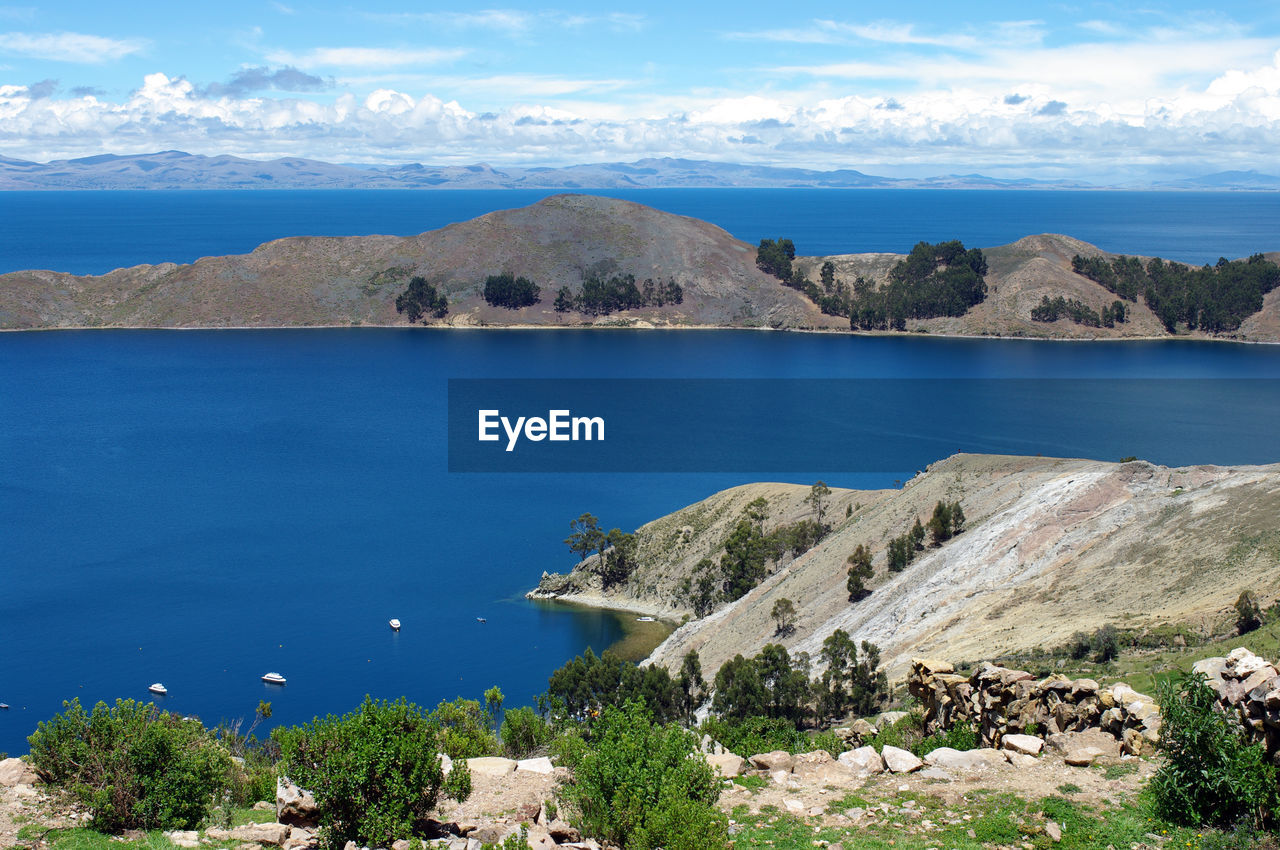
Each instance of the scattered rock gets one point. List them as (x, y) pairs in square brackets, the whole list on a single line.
[(538, 765), (864, 761), (899, 760), (1082, 756), (183, 838), (1026, 744), (563, 833), (728, 765), (295, 806), (261, 833), (16, 772), (776, 760), (1021, 759), (491, 766), (1054, 831)]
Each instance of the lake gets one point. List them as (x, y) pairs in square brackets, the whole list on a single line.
[(201, 507)]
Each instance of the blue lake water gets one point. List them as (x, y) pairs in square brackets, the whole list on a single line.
[(201, 507), (94, 232), (198, 508)]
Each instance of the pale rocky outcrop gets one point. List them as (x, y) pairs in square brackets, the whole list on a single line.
[(295, 805), (1248, 689), (15, 772), (899, 760)]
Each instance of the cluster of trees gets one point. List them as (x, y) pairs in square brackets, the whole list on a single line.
[(506, 290), (943, 279), (1103, 644), (615, 550), (748, 551), (601, 296), (947, 521), (776, 685), (775, 257), (589, 683), (1210, 298), (421, 299), (1050, 310)]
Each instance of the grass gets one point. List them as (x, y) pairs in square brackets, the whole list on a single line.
[(918, 821), (87, 839)]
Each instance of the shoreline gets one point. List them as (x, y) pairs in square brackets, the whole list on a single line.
[(646, 326), (639, 639)]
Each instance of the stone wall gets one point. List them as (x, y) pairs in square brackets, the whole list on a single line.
[(1248, 688), (998, 701)]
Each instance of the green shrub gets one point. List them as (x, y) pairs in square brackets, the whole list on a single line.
[(465, 726), (636, 786), (523, 732), (958, 737), (829, 741), (375, 772), (754, 735), (132, 765), (1211, 774), (905, 733)]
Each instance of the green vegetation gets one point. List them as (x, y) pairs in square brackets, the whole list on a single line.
[(524, 732), (947, 521), (615, 549), (1080, 313), (506, 290), (784, 615), (583, 687), (859, 571), (601, 296), (1212, 774), (1211, 298), (934, 280), (775, 257), (421, 299), (132, 765), (375, 772), (635, 785)]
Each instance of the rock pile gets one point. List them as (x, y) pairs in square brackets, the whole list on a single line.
[(1248, 687), (999, 702)]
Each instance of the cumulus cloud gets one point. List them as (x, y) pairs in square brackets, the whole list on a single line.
[(68, 46), (1230, 120), (248, 80)]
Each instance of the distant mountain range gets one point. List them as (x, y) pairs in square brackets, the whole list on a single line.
[(179, 170)]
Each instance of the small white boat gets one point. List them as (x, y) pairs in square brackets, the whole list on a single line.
[(481, 620), (158, 689), (395, 625), (273, 679), (4, 706), (644, 619)]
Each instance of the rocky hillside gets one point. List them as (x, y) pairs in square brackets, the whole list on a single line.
[(1051, 547), (557, 242)]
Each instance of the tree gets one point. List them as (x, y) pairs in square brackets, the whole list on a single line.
[(940, 524), (1248, 613), (564, 300), (775, 258), (784, 614), (828, 276), (704, 598), (420, 299), (739, 691), (586, 537), (506, 290), (917, 536), (859, 571), (817, 493), (758, 511), (1106, 644), (692, 685), (743, 562)]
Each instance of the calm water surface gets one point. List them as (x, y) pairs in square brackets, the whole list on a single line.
[(200, 507)]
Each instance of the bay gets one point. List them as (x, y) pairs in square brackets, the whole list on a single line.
[(92, 232), (201, 507)]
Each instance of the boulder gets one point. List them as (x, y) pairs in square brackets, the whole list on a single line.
[(728, 765), (776, 760), (562, 833), (951, 759), (864, 761), (491, 766), (1026, 744), (299, 838), (446, 764), (539, 838), (183, 838), (1021, 759), (538, 765), (1082, 756), (261, 833), (829, 772), (889, 718), (295, 806), (899, 760), (16, 772)]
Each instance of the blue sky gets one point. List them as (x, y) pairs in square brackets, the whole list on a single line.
[(1090, 90)]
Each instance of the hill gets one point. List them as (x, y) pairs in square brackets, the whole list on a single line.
[(1051, 547), (558, 242)]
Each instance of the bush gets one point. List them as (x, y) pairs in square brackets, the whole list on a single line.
[(753, 735), (375, 772), (523, 732), (958, 737), (465, 727), (132, 765), (636, 786), (1212, 775), (905, 733)]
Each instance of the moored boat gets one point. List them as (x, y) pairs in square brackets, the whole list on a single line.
[(273, 679), (158, 689)]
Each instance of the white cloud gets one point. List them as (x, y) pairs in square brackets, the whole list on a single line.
[(365, 57), (69, 46), (510, 20)]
